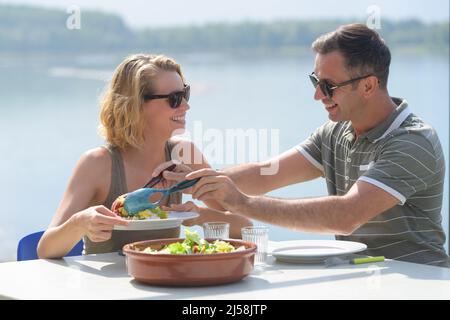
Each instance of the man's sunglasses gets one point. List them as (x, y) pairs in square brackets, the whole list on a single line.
[(327, 87), (175, 98)]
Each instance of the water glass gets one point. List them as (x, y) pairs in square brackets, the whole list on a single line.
[(216, 230), (259, 235)]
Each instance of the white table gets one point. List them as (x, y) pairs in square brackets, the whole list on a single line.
[(104, 276)]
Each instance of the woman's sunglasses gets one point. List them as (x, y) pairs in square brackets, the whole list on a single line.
[(175, 98), (327, 87)]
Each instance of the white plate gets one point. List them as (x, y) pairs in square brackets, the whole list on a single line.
[(174, 220), (316, 251)]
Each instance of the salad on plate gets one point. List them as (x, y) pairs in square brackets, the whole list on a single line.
[(118, 208)]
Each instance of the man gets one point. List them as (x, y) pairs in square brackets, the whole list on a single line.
[(384, 167)]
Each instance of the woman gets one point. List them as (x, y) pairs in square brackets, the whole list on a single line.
[(144, 105)]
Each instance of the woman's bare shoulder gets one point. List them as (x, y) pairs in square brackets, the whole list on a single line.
[(93, 173), (96, 160), (97, 155)]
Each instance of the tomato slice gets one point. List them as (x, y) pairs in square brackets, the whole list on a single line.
[(117, 204)]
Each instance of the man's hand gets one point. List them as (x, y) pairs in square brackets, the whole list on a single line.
[(215, 185), (176, 175)]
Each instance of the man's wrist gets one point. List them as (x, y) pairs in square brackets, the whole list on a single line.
[(243, 204)]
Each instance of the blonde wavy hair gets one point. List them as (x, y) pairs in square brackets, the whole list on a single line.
[(121, 107)]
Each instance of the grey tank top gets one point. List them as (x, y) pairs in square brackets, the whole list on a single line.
[(118, 187)]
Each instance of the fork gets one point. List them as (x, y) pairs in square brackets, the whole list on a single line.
[(155, 180)]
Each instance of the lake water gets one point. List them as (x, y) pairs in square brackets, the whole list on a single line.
[(49, 116)]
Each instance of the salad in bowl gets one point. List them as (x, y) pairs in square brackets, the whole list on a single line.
[(193, 244), (191, 261)]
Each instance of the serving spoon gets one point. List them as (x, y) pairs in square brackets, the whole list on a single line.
[(139, 200)]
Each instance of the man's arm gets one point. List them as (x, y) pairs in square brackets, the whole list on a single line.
[(332, 214), (288, 168)]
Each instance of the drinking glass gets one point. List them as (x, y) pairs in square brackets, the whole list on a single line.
[(216, 230), (259, 235)]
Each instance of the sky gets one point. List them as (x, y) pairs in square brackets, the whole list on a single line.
[(155, 13)]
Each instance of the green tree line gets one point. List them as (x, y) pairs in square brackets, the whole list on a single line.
[(32, 29)]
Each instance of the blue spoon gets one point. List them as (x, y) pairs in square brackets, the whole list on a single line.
[(139, 200)]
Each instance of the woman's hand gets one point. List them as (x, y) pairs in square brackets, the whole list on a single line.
[(187, 207), (206, 214), (98, 222)]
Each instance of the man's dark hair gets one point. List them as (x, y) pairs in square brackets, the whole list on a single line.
[(364, 51)]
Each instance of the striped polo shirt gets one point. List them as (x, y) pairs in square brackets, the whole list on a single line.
[(402, 156)]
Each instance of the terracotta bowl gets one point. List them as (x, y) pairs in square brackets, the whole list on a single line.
[(188, 270)]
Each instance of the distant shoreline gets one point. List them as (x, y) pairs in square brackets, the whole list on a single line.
[(33, 31)]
